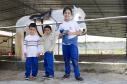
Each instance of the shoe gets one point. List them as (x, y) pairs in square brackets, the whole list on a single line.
[(33, 77), (26, 78), (45, 76), (79, 78), (50, 77), (66, 76)]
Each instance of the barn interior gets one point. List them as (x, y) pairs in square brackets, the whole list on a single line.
[(12, 10)]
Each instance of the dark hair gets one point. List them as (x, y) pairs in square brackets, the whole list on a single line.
[(35, 26), (48, 26), (67, 8)]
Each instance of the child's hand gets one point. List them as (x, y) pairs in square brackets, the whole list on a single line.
[(60, 35), (25, 54), (41, 54), (38, 53), (70, 33)]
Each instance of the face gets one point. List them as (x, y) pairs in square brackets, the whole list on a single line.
[(67, 15), (47, 31), (32, 30)]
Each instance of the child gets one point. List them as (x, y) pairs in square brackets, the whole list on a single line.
[(48, 40), (31, 51), (69, 30)]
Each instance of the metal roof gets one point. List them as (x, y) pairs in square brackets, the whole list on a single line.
[(12, 10)]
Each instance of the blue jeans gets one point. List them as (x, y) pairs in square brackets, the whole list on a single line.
[(70, 52), (49, 64), (31, 64)]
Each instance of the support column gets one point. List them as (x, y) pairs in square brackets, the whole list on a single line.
[(19, 41), (126, 44)]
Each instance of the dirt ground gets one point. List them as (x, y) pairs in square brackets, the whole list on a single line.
[(17, 77)]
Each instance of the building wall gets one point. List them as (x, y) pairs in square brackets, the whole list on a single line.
[(5, 45)]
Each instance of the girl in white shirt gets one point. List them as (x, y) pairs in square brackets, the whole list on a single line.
[(69, 31), (32, 50)]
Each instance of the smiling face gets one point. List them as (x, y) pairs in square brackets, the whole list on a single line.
[(32, 30), (47, 31), (67, 14)]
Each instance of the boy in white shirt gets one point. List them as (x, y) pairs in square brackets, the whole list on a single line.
[(32, 50), (48, 41)]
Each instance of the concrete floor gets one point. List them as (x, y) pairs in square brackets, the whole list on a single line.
[(16, 77)]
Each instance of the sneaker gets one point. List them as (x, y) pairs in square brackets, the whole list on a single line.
[(79, 78), (26, 78), (50, 77), (66, 76), (33, 77), (45, 76)]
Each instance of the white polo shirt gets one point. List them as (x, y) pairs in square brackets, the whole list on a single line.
[(71, 26)]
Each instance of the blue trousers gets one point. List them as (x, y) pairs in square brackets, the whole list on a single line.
[(49, 64), (31, 64), (70, 52)]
